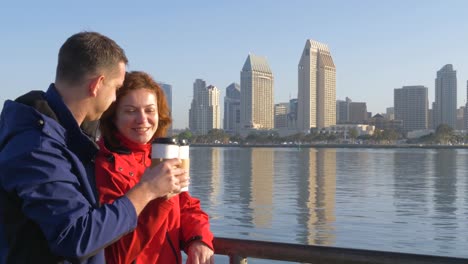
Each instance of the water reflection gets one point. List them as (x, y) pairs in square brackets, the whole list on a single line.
[(317, 186), (410, 187), (444, 201), (407, 200), (261, 183)]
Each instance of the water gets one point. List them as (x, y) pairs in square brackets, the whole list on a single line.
[(401, 200)]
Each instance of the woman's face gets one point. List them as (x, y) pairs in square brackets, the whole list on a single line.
[(137, 115)]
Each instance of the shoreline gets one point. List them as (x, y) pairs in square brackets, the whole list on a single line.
[(332, 145)]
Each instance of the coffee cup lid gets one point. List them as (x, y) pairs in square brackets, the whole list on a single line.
[(183, 142), (165, 140)]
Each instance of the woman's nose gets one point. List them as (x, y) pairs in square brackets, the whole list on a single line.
[(141, 117)]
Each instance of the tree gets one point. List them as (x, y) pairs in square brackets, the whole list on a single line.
[(353, 133), (444, 133), (218, 135), (186, 134)]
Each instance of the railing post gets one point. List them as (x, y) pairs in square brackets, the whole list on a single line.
[(236, 259)]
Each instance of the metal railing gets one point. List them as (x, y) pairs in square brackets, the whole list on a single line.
[(239, 249)]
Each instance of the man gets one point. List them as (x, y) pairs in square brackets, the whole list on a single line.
[(49, 211)]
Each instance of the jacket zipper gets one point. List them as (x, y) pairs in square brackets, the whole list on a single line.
[(173, 248)]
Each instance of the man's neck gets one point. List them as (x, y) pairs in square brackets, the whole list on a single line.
[(74, 100)]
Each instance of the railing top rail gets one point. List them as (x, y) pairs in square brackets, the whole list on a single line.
[(321, 254)]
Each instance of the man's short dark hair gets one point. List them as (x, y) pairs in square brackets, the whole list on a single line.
[(87, 53)]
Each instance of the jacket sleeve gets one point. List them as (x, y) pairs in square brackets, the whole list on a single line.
[(50, 190), (112, 185), (194, 222)]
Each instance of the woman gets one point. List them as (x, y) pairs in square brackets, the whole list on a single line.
[(166, 225)]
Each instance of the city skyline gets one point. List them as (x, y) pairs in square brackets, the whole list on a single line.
[(376, 46)]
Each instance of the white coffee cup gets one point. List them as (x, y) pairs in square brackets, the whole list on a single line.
[(164, 149), (184, 156)]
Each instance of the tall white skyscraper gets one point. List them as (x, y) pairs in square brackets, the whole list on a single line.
[(316, 87), (231, 120), (257, 94), (445, 105), (204, 113)]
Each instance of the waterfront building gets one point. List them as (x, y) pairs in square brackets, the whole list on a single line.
[(343, 129), (465, 116), (445, 105), (349, 112), (204, 113), (231, 120), (357, 112), (167, 88), (411, 104), (292, 114), (460, 118), (390, 113), (342, 110), (382, 123), (256, 94), (316, 87), (281, 115), (430, 117)]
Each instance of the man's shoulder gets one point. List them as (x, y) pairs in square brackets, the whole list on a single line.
[(38, 101)]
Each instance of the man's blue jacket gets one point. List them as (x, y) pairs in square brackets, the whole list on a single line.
[(49, 211)]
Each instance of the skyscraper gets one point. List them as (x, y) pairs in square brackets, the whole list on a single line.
[(231, 120), (342, 111), (445, 105), (204, 113), (292, 114), (411, 105), (256, 94), (465, 117), (167, 88), (198, 86), (316, 87), (281, 115)]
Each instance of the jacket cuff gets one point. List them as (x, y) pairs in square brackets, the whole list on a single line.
[(187, 243)]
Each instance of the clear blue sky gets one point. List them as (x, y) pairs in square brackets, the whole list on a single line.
[(376, 45)]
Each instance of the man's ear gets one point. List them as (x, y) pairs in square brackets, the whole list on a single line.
[(94, 85)]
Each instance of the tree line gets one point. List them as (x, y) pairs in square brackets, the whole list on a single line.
[(444, 134)]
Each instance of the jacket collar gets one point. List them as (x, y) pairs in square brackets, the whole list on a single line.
[(77, 141), (132, 146)]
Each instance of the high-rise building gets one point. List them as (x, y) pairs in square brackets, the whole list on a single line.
[(256, 94), (465, 116), (342, 111), (316, 87), (460, 118), (292, 114), (411, 105), (390, 113), (281, 115), (349, 112), (204, 113), (167, 88), (231, 120), (198, 86), (357, 112), (445, 107)]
